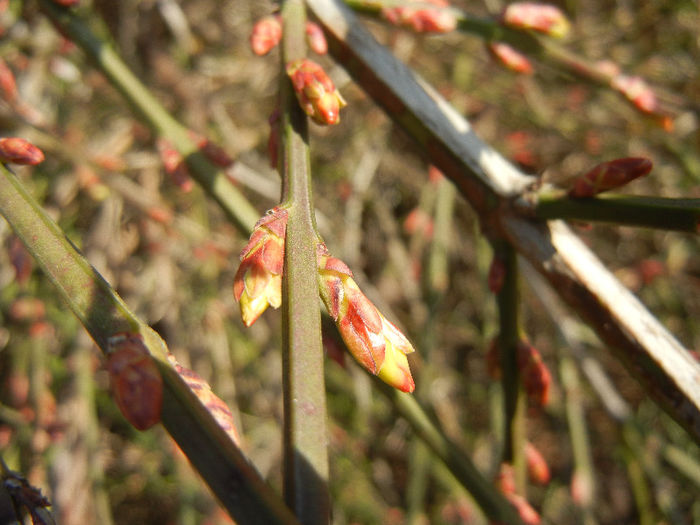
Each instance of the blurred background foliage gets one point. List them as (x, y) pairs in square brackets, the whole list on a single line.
[(172, 256)]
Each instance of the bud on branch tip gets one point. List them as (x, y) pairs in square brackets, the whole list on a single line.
[(610, 175), (315, 91), (543, 18)]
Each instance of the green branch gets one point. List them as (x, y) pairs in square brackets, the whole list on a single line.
[(107, 60), (223, 466), (626, 210), (305, 454)]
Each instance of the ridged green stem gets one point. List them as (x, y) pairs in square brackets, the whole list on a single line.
[(102, 312), (507, 299), (492, 503), (305, 453), (625, 210)]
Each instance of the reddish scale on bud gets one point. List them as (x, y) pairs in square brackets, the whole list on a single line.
[(174, 165), (543, 18), (610, 175), (510, 58), (438, 19), (137, 386), (266, 34), (20, 151), (315, 38), (67, 3), (213, 403), (497, 275), (258, 281), (315, 91), (419, 222), (537, 467)]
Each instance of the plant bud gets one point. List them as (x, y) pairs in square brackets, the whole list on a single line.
[(20, 151), (535, 375), (637, 91), (137, 385), (315, 91), (423, 20), (543, 18), (174, 165), (258, 281), (510, 58), (537, 467), (267, 33), (609, 175), (213, 403), (316, 39), (371, 339), (8, 86)]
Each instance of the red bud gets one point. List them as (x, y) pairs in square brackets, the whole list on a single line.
[(610, 175), (20, 151), (510, 58)]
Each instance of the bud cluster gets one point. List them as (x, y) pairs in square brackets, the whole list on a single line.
[(438, 19), (267, 33), (315, 91)]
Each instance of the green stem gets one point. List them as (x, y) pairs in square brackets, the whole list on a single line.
[(492, 503), (223, 466), (216, 183), (628, 210), (508, 339), (305, 454)]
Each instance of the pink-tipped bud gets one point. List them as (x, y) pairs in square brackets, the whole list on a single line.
[(534, 373), (510, 58), (315, 38), (610, 175), (438, 19), (371, 339), (537, 467), (315, 91), (20, 151), (267, 33), (174, 165), (637, 91), (258, 281), (543, 18)]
